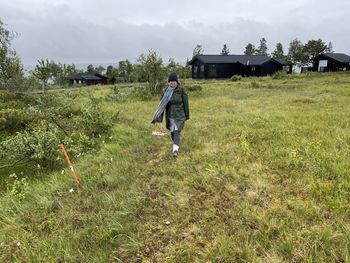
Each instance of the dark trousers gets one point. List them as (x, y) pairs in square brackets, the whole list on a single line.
[(175, 136)]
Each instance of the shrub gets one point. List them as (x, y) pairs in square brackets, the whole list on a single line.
[(94, 120), (142, 93), (13, 119), (192, 88), (39, 145), (236, 77), (255, 85), (116, 94), (279, 75)]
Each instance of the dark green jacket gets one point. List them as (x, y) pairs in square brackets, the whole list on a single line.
[(177, 108)]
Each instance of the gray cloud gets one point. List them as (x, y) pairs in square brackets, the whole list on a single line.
[(108, 31)]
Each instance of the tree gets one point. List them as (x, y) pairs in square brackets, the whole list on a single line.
[(262, 49), (90, 68), (65, 72), (183, 72), (249, 49), (99, 69), (296, 52), (198, 50), (314, 48), (278, 53), (172, 65), (125, 69), (11, 68), (150, 69), (44, 71), (330, 48), (225, 50)]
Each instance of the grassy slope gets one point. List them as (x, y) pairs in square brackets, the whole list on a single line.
[(263, 176)]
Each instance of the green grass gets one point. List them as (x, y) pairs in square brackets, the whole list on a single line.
[(262, 176)]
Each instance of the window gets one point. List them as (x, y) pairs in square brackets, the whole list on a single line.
[(202, 68), (253, 68)]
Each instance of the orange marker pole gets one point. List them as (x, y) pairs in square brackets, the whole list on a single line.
[(70, 164)]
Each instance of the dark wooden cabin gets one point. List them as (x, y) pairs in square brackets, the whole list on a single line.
[(88, 79), (331, 62), (225, 66)]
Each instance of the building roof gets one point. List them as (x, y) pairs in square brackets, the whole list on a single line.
[(340, 57), (253, 60), (88, 76)]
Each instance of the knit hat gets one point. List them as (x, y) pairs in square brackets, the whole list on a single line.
[(172, 77)]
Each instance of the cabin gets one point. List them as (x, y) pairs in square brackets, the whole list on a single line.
[(88, 79), (225, 66), (329, 62)]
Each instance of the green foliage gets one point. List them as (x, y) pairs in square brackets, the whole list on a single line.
[(236, 77), (94, 120), (255, 85), (11, 69), (49, 120), (198, 50), (150, 69), (314, 48), (262, 176), (142, 93), (44, 71), (193, 88), (249, 49), (13, 119), (279, 75), (125, 69), (48, 71), (40, 144), (278, 52), (296, 53), (18, 188), (262, 49), (117, 94), (225, 50), (183, 72)]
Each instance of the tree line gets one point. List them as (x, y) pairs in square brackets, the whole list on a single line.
[(298, 53), (148, 67)]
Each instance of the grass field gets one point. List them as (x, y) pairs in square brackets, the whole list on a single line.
[(263, 175)]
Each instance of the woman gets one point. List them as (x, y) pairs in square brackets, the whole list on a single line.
[(175, 103)]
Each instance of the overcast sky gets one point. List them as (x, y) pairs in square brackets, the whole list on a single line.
[(106, 31)]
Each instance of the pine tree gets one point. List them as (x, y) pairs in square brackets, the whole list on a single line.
[(249, 49), (330, 48), (278, 53), (262, 49), (225, 50), (198, 50)]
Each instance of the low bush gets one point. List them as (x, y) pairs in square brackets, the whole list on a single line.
[(94, 120), (236, 77), (13, 119), (193, 88), (279, 75)]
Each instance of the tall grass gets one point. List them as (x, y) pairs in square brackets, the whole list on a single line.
[(262, 176)]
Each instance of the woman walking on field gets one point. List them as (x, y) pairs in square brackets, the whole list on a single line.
[(175, 103)]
